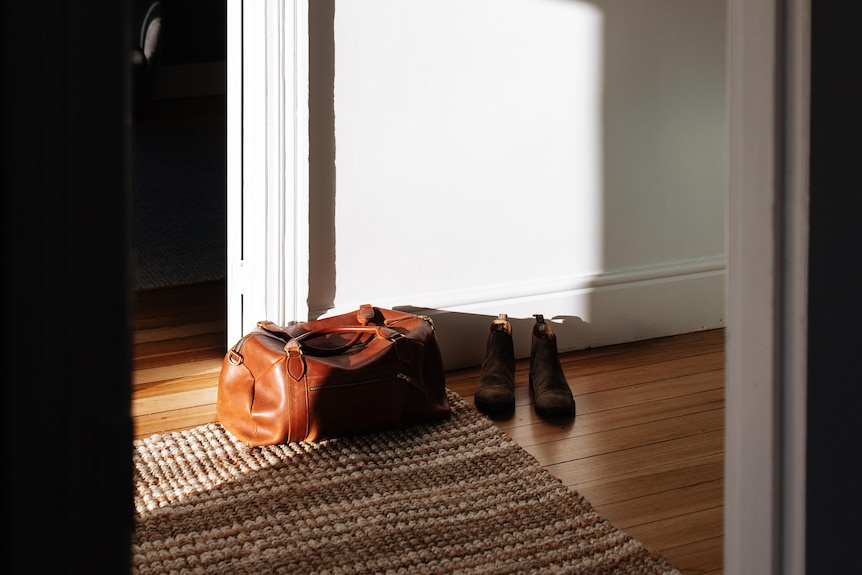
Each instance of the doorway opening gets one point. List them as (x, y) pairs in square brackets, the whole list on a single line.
[(179, 190)]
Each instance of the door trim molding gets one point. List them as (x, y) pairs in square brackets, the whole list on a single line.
[(764, 511), (267, 164)]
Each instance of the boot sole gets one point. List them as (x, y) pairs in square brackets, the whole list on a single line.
[(556, 413), (567, 412), (494, 408)]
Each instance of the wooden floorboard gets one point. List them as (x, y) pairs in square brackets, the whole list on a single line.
[(646, 447)]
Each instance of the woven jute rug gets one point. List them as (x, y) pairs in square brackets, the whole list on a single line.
[(457, 496)]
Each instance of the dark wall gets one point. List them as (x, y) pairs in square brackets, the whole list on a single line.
[(195, 31), (835, 288), (67, 477)]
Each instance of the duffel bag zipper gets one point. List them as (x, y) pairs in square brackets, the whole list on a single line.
[(402, 376), (234, 355)]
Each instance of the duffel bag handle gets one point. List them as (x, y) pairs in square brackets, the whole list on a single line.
[(297, 345), (295, 348), (280, 332), (364, 315)]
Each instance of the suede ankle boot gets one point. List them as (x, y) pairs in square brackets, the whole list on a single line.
[(552, 396), (495, 392)]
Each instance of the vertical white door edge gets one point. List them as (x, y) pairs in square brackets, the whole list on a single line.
[(267, 163), (764, 500)]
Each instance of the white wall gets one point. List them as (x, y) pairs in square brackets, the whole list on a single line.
[(544, 156)]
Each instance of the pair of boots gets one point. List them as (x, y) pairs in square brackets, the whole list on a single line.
[(495, 393)]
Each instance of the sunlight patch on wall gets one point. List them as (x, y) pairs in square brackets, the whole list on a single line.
[(468, 149)]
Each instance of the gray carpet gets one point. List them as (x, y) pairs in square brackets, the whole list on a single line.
[(179, 216)]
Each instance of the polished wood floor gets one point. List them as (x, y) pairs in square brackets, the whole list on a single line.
[(646, 448)]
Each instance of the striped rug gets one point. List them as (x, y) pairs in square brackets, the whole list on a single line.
[(458, 496)]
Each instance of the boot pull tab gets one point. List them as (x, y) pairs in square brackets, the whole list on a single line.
[(501, 323), (540, 322)]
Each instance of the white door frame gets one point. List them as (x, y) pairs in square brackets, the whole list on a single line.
[(267, 163), (768, 50), (764, 500)]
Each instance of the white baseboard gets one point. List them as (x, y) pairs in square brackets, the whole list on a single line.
[(610, 308)]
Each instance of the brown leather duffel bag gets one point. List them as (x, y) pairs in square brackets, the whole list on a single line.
[(369, 370)]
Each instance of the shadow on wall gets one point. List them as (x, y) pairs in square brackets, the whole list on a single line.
[(321, 155), (463, 336)]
